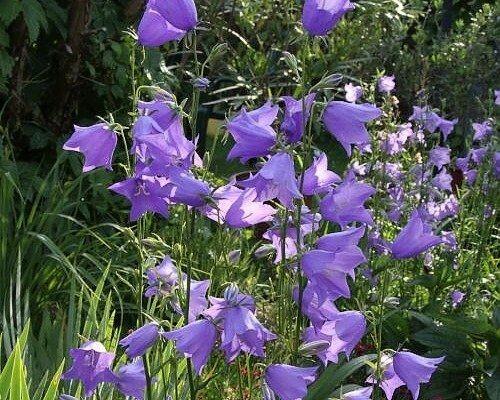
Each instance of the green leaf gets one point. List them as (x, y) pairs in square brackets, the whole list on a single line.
[(9, 10), (493, 385), (334, 376), (18, 383), (51, 393), (35, 18)]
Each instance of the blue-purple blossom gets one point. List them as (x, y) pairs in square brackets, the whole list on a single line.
[(456, 298), (296, 116), (415, 238), (352, 92), (345, 203), (317, 310), (247, 211), (477, 155), (346, 122), (182, 187), (195, 341), (91, 365), (317, 178), (386, 84), (276, 179), (97, 143), (446, 127), (164, 21), (338, 240), (161, 278), (252, 132), (442, 180), (139, 341), (425, 117), (289, 382), (131, 379), (481, 130), (439, 157), (364, 393), (145, 193)]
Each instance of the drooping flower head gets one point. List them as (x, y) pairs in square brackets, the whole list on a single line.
[(320, 16), (296, 116), (415, 238), (439, 157), (442, 180), (276, 179), (289, 382), (346, 122), (139, 341), (161, 278), (91, 365), (247, 211), (317, 178), (131, 379), (97, 143), (182, 187), (165, 21), (196, 341), (252, 132)]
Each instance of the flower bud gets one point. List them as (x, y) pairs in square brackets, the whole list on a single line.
[(231, 294), (267, 393), (264, 251), (234, 256), (313, 348)]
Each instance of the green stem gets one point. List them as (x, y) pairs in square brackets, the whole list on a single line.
[(148, 377)]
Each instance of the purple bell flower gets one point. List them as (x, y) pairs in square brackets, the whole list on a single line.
[(338, 240), (295, 120), (145, 193), (139, 341), (414, 370), (247, 211), (364, 393), (456, 298), (446, 127), (390, 380), (162, 278), (477, 155), (442, 180), (131, 379), (497, 97), (224, 197), (317, 178), (482, 130), (184, 188), (415, 238), (346, 122), (97, 143), (426, 117), (352, 93), (289, 382), (439, 157), (252, 132), (496, 164), (447, 208), (320, 16), (318, 311), (276, 179), (91, 365), (386, 84), (195, 341), (164, 21), (345, 203)]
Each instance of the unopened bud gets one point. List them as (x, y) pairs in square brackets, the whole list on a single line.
[(313, 348), (264, 251), (231, 294), (234, 256), (291, 61)]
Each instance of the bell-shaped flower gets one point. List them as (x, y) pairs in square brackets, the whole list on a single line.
[(317, 178), (145, 193), (415, 238), (164, 21), (296, 116), (289, 382), (442, 180), (184, 188), (346, 122), (352, 92), (247, 211), (223, 198), (414, 370), (91, 365), (425, 117), (439, 157), (318, 311), (338, 240), (345, 203), (97, 143), (364, 393), (320, 16), (390, 381), (196, 341), (446, 127), (481, 130), (252, 132), (386, 84), (131, 379), (456, 298), (276, 179), (343, 334), (139, 341), (161, 278)]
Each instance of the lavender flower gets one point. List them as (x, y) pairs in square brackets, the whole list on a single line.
[(183, 187), (364, 393), (97, 143), (317, 310), (496, 164), (386, 84), (317, 178), (131, 379), (145, 193), (497, 97), (426, 117), (91, 365), (162, 278), (446, 127), (252, 132), (138, 342), (439, 157), (456, 298), (166, 21), (195, 341), (295, 117), (442, 180), (352, 93), (276, 179), (336, 241), (345, 204), (346, 122), (289, 382), (247, 211), (415, 238)]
